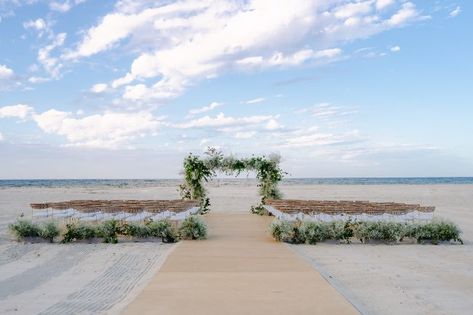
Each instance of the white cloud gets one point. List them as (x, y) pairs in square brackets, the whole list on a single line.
[(64, 6), (99, 88), (38, 24), (455, 12), (223, 121), (5, 72), (295, 59), (395, 49), (327, 111), (204, 109), (272, 124), (407, 14), (51, 64), (110, 130), (244, 134), (310, 137), (112, 28), (255, 100), (20, 111), (371, 150), (36, 80), (2, 138), (117, 26), (164, 89), (60, 6), (180, 43), (383, 4), (353, 9)]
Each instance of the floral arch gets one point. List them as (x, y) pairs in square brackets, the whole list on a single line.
[(198, 171)]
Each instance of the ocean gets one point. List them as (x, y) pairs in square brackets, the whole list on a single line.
[(138, 183)]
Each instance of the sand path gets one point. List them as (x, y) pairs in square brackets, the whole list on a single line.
[(237, 270)]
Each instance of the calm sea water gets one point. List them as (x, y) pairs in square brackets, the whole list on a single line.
[(130, 183)]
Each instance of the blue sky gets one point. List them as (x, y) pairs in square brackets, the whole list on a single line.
[(125, 89)]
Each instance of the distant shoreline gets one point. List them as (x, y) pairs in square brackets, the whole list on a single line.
[(143, 183)]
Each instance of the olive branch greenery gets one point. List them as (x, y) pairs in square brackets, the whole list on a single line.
[(199, 170)]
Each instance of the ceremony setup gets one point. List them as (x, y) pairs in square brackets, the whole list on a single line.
[(363, 220)]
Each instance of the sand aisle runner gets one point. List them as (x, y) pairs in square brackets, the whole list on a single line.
[(237, 270)]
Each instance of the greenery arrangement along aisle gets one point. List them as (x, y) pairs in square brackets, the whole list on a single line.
[(111, 230), (198, 171), (311, 232)]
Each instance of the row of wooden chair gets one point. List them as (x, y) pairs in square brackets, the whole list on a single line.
[(112, 206), (345, 206)]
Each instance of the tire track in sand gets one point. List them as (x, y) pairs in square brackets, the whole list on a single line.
[(32, 278), (109, 288)]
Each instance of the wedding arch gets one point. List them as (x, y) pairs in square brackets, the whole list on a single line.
[(199, 170)]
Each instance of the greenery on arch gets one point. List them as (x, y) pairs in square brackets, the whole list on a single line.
[(198, 171)]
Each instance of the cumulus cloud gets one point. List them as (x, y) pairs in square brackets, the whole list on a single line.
[(109, 130), (5, 72), (20, 111), (204, 109), (395, 49), (190, 40)]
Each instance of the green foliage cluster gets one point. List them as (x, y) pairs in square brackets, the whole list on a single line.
[(198, 171), (49, 231), (26, 229), (300, 232), (109, 231), (78, 231), (165, 230), (193, 228), (260, 210)]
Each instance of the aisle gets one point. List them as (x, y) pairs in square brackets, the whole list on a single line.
[(239, 269)]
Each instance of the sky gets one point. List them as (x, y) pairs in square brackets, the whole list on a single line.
[(338, 88)]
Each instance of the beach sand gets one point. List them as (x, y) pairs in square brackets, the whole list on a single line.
[(400, 279), (378, 279)]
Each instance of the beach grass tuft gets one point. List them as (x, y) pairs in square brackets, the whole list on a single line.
[(192, 228), (312, 232), (24, 228), (78, 231), (49, 230)]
